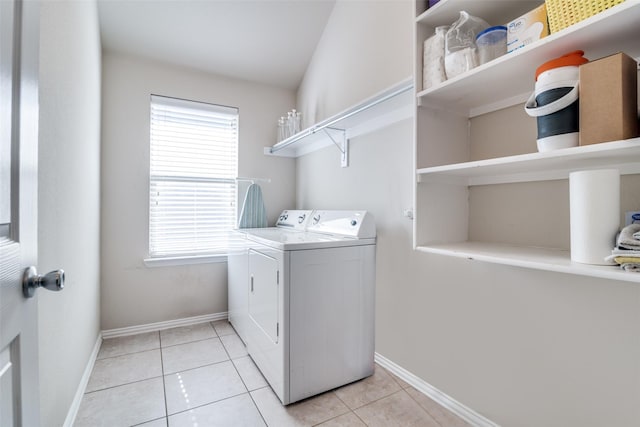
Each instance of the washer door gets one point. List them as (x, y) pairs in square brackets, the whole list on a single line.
[(263, 293)]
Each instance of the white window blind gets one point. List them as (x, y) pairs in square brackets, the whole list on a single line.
[(194, 163)]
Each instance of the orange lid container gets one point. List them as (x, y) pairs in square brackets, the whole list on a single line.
[(575, 58)]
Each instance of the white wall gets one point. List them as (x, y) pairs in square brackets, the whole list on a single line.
[(365, 48), (68, 199), (133, 294), (522, 347)]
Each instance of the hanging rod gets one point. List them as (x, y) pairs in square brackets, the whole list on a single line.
[(204, 179), (252, 180)]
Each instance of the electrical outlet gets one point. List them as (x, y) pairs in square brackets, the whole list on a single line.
[(631, 217)]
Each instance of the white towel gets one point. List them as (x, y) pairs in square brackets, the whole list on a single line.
[(625, 252), (631, 266), (626, 239), (253, 213)]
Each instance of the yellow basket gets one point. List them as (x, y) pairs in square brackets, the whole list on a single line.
[(563, 13)]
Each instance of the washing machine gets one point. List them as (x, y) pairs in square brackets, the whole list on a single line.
[(309, 324), (238, 266)]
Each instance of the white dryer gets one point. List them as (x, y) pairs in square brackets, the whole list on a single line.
[(309, 325), (238, 266)]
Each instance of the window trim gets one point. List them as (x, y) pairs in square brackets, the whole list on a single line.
[(168, 261)]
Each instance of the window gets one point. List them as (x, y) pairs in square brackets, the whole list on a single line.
[(192, 191)]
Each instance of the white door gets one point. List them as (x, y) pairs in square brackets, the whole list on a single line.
[(18, 211)]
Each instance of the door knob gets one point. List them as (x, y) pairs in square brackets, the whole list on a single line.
[(31, 280)]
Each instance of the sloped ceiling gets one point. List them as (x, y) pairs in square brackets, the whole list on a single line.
[(265, 41)]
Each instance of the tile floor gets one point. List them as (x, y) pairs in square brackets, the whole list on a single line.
[(201, 375)]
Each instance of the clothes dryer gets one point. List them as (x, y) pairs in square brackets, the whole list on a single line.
[(238, 267)]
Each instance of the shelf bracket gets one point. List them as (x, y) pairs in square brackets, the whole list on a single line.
[(339, 139)]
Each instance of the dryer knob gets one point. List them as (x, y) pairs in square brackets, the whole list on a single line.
[(301, 218), (316, 219), (354, 222)]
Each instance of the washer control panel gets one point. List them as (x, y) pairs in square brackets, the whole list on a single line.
[(358, 224)]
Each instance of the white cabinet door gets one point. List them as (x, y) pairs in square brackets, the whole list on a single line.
[(263, 293)]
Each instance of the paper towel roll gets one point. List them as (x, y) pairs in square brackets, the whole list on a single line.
[(594, 202)]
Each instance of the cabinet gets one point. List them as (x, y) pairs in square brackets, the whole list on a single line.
[(454, 119)]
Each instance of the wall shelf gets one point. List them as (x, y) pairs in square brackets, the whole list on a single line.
[(445, 12), (557, 260), (550, 165), (383, 109)]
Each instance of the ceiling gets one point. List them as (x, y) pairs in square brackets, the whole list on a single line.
[(265, 41)]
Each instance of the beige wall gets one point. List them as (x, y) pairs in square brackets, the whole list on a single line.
[(133, 294), (522, 347), (68, 199)]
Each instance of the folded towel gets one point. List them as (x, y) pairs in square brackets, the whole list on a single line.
[(626, 239), (631, 256), (631, 266), (253, 213), (625, 252), (626, 260)]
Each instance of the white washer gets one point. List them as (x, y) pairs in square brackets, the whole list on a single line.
[(309, 325)]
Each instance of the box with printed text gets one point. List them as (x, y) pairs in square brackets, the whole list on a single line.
[(527, 29)]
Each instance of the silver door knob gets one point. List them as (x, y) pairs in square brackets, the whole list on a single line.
[(31, 280)]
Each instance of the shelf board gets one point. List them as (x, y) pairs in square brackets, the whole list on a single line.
[(557, 164), (383, 109), (556, 260), (509, 78), (446, 12)]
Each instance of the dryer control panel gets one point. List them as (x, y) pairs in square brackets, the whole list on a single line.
[(294, 219)]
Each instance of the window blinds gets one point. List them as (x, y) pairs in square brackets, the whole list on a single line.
[(194, 162)]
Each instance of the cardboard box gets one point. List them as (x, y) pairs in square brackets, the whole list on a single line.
[(608, 99), (527, 29)]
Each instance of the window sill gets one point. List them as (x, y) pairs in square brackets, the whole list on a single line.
[(186, 260)]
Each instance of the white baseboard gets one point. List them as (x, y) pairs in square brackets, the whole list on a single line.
[(77, 399), (152, 327), (467, 414)]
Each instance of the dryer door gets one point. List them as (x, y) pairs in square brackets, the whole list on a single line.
[(263, 293)]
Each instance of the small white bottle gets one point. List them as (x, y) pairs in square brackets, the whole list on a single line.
[(280, 136), (290, 129), (296, 121)]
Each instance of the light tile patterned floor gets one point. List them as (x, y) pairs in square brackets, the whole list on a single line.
[(201, 376)]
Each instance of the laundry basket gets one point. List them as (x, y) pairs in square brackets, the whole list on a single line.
[(563, 13)]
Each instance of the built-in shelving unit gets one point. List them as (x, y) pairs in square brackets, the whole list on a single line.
[(548, 259), (550, 165), (383, 109), (508, 80), (446, 172)]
